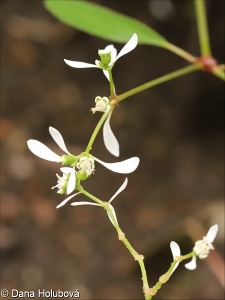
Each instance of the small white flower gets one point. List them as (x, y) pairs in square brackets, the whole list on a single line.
[(67, 182), (175, 249), (108, 56), (42, 151), (101, 104), (202, 247), (86, 165)]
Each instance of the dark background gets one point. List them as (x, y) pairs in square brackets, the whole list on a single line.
[(175, 128)]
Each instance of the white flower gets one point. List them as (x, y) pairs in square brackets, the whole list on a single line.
[(85, 164), (42, 151), (108, 56), (101, 104), (175, 249), (202, 247), (67, 182)]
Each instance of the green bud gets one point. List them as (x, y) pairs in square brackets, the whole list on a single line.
[(105, 59), (68, 159), (105, 56), (81, 176)]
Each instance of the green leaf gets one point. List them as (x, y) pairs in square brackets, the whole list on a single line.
[(103, 22)]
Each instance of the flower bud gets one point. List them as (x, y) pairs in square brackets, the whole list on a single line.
[(105, 56), (68, 159)]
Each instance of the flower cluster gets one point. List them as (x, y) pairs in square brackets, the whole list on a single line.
[(202, 247), (108, 57), (200, 250), (81, 166)]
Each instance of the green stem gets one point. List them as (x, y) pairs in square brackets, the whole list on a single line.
[(121, 237), (203, 33), (95, 132), (187, 256), (165, 277), (112, 86), (132, 251), (219, 72), (180, 52), (100, 202), (157, 81)]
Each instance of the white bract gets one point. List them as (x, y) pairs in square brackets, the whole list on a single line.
[(109, 138), (202, 247), (108, 57), (123, 186), (43, 151), (175, 249), (85, 163)]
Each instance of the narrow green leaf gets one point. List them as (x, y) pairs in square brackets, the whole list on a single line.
[(103, 22)]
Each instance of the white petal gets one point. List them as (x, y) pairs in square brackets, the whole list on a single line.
[(192, 264), (114, 214), (57, 137), (66, 200), (175, 249), (106, 73), (212, 233), (113, 51), (66, 170), (109, 138), (42, 151), (71, 182), (123, 186), (174, 268), (123, 167), (79, 64), (83, 203), (130, 45)]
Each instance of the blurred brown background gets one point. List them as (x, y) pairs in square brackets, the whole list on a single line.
[(176, 129)]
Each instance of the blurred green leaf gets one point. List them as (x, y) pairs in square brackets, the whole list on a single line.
[(103, 22)]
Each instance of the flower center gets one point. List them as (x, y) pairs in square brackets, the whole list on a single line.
[(86, 165), (61, 183), (102, 104), (203, 247)]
